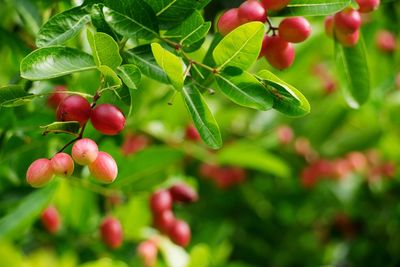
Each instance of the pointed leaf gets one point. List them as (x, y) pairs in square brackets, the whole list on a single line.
[(171, 64), (105, 50), (55, 61), (130, 75), (241, 47), (244, 89), (311, 8), (202, 117), (287, 99), (14, 95), (68, 127), (352, 65), (62, 27), (143, 58)]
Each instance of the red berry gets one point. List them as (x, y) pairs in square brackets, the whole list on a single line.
[(108, 119), (57, 96), (348, 39), (183, 193), (347, 21), (279, 53), (251, 10), (164, 220), (147, 251), (74, 108), (84, 151), (180, 233), (62, 164), (294, 30), (39, 172), (104, 168), (51, 219), (275, 4), (111, 232), (229, 21), (192, 133), (386, 41), (366, 6), (329, 25), (134, 143), (160, 201)]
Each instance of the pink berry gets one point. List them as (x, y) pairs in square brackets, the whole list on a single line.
[(39, 172), (62, 164), (386, 41), (84, 151), (329, 25), (147, 251), (111, 232), (279, 53), (108, 119), (181, 192), (164, 220), (348, 39), (229, 21), (294, 30), (134, 143), (275, 4), (74, 108), (366, 6), (192, 133), (252, 10), (285, 134), (51, 220), (347, 21), (57, 96), (160, 201), (180, 233), (104, 168)]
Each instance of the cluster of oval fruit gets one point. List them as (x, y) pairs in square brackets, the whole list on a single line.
[(278, 48), (345, 25), (164, 220)]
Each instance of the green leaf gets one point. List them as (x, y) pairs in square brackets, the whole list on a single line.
[(99, 21), (14, 95), (171, 64), (20, 218), (130, 75), (111, 79), (190, 31), (134, 19), (62, 27), (68, 127), (312, 8), (202, 117), (287, 99), (143, 58), (105, 50), (260, 160), (174, 256), (55, 61), (353, 66), (241, 47), (29, 13), (244, 89)]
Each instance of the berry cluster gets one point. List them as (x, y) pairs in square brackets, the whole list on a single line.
[(223, 177), (164, 220), (105, 118), (278, 48), (345, 25)]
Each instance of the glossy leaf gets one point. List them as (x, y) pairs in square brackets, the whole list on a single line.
[(14, 95), (244, 89), (62, 27), (111, 79), (134, 19), (130, 75), (55, 61), (312, 8), (287, 99), (20, 218), (190, 30), (143, 58), (353, 66), (202, 117), (105, 50), (171, 64), (68, 127), (241, 47), (99, 21)]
